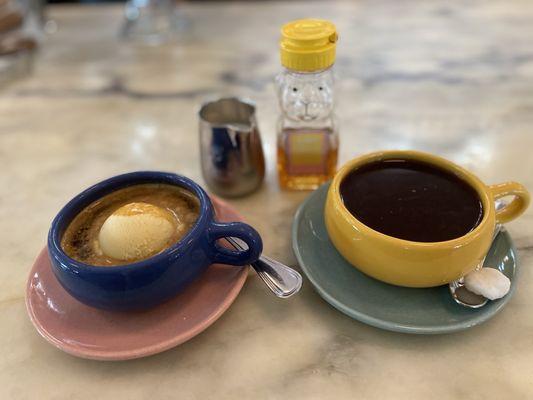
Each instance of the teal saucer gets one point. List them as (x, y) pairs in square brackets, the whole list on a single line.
[(395, 308)]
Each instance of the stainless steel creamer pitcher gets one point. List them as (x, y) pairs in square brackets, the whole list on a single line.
[(230, 147)]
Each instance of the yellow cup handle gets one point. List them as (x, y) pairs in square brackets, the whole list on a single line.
[(517, 205)]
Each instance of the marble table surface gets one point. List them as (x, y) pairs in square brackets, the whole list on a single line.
[(453, 78)]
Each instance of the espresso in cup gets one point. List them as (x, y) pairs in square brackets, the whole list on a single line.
[(107, 251), (411, 200), (131, 224)]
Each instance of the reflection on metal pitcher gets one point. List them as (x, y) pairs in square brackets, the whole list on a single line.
[(230, 145)]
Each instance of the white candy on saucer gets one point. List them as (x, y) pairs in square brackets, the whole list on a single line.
[(488, 282)]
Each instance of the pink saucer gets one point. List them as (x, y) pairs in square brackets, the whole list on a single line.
[(87, 332)]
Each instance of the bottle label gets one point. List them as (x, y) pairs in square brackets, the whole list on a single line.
[(307, 152)]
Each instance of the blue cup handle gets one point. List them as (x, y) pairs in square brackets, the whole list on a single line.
[(220, 254)]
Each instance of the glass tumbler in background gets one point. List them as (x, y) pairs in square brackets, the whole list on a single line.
[(152, 21), (21, 28)]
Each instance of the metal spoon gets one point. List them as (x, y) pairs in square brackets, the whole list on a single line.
[(280, 279), (461, 294)]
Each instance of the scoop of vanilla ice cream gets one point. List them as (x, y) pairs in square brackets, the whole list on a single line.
[(488, 282), (136, 231)]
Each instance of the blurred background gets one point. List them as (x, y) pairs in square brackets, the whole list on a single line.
[(88, 91)]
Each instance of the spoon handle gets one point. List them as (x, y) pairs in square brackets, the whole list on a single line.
[(280, 279)]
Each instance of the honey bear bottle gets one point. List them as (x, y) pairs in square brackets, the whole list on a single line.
[(307, 141)]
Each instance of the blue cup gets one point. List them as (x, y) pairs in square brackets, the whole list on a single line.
[(152, 281)]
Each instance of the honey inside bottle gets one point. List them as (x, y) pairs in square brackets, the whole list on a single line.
[(306, 157)]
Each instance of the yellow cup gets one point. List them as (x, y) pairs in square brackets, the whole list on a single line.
[(418, 264)]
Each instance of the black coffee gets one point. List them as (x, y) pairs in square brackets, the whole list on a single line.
[(411, 200)]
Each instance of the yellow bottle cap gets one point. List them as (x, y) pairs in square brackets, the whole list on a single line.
[(308, 45)]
